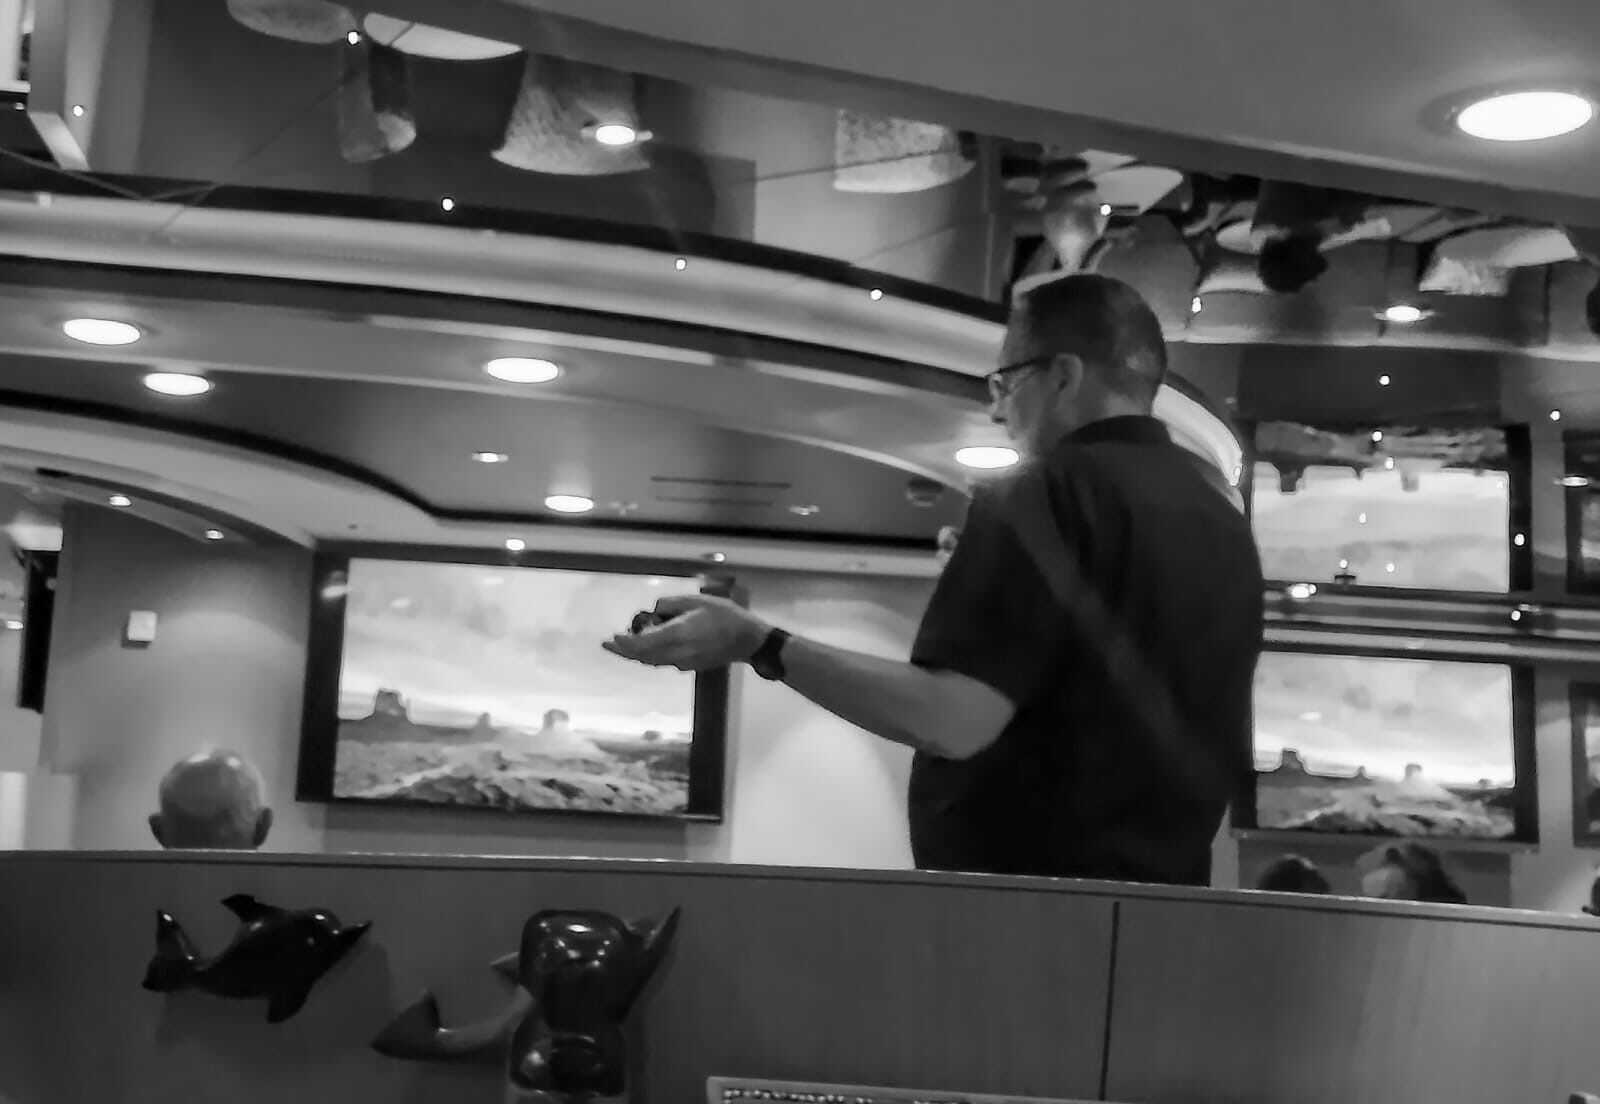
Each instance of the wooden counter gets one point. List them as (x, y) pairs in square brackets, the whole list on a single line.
[(970, 983)]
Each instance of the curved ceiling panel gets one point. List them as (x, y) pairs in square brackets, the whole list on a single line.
[(419, 444)]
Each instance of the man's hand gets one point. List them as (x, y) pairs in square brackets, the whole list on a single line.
[(705, 633)]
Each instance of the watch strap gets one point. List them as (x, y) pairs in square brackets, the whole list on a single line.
[(767, 660)]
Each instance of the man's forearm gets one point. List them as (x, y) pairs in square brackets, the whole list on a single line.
[(889, 698)]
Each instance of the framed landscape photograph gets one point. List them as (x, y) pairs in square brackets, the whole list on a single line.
[(463, 680), (1408, 745), (1408, 507), (1585, 699), (739, 1090)]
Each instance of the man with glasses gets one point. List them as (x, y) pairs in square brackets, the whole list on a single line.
[(1079, 691)]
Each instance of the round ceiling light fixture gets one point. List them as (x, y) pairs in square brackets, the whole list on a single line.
[(214, 534), (490, 457), (516, 544), (618, 135), (120, 501), (101, 331), (1525, 116), (181, 385), (1403, 314), (986, 457), (522, 370), (569, 504)]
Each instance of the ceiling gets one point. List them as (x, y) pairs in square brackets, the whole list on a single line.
[(1274, 91), (754, 349)]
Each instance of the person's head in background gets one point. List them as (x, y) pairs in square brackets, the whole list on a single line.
[(212, 800), (1293, 874), (1077, 350), (1408, 872)]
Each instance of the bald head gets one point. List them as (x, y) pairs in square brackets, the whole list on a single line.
[(1104, 322), (215, 800)]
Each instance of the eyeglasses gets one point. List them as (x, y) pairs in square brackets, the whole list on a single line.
[(1002, 380)]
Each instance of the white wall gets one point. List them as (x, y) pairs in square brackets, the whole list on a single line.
[(228, 665)]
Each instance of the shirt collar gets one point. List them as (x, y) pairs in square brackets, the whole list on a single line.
[(1137, 429)]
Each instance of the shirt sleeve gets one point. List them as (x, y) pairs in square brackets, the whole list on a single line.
[(992, 616)]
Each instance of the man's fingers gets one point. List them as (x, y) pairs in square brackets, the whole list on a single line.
[(681, 603)]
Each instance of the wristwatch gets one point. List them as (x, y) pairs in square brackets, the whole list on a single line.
[(767, 660)]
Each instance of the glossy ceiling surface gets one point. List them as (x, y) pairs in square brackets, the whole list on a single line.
[(770, 305)]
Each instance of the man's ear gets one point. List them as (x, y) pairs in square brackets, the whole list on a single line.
[(1067, 371)]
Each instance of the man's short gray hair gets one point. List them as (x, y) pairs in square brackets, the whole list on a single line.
[(1103, 321)]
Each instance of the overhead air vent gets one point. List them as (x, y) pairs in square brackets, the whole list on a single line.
[(692, 491)]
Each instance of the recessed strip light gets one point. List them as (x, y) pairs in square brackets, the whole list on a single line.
[(14, 626), (177, 384), (1525, 116), (101, 331), (522, 370), (569, 504), (986, 457)]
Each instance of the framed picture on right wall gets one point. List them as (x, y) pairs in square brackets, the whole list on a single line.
[(1585, 698)]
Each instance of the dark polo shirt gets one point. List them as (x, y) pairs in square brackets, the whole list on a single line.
[(1112, 591)]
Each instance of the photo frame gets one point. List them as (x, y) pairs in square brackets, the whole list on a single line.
[(473, 681), (741, 1090), (1390, 508), (1584, 701), (1580, 481)]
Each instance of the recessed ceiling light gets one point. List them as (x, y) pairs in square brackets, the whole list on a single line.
[(1195, 305), (77, 111), (716, 557), (875, 294), (1302, 591), (214, 534), (1555, 415), (490, 457), (1377, 435), (1574, 481), (1519, 540), (121, 502), (803, 511), (353, 38), (522, 370), (987, 457), (1404, 314), (1389, 568), (618, 134), (14, 626), (1383, 381), (447, 203), (1525, 116), (516, 544), (101, 331), (1388, 463), (179, 384), (569, 504), (681, 263), (1105, 208)]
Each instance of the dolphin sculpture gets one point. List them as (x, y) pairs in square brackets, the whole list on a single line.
[(276, 954)]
